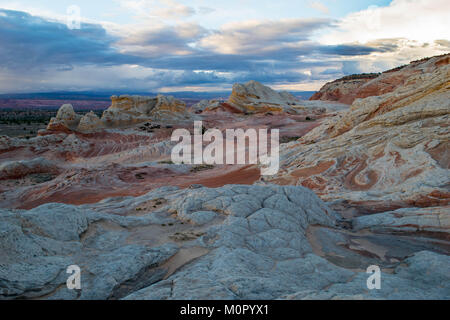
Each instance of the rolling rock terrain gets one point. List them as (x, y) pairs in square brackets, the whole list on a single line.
[(359, 185)]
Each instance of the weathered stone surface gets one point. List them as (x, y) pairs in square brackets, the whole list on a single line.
[(408, 282), (234, 242), (263, 253), (205, 105), (38, 246), (433, 219), (350, 88), (90, 122), (254, 96), (126, 110), (342, 90), (66, 119), (17, 169), (384, 149)]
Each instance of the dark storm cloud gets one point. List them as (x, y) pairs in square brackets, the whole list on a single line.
[(28, 41), (191, 78), (348, 50)]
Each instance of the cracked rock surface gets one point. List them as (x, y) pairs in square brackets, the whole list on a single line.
[(234, 242)]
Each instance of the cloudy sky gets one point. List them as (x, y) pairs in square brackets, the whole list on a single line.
[(207, 45)]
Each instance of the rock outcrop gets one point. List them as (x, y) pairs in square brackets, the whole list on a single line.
[(254, 97), (66, 119), (384, 148), (18, 169), (38, 246), (434, 219), (90, 122), (206, 105), (350, 88), (343, 90), (168, 108), (124, 111)]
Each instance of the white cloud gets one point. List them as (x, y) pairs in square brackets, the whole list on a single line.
[(420, 20), (205, 10), (408, 30), (164, 9), (255, 36), (319, 6)]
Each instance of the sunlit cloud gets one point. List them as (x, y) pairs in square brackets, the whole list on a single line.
[(420, 20)]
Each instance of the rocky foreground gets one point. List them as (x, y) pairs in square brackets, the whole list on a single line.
[(360, 185)]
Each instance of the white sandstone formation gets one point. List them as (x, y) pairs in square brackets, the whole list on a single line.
[(125, 110), (90, 122), (66, 118), (255, 97)]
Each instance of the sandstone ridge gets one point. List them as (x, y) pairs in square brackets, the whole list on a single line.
[(383, 148), (350, 88), (125, 110), (255, 98)]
